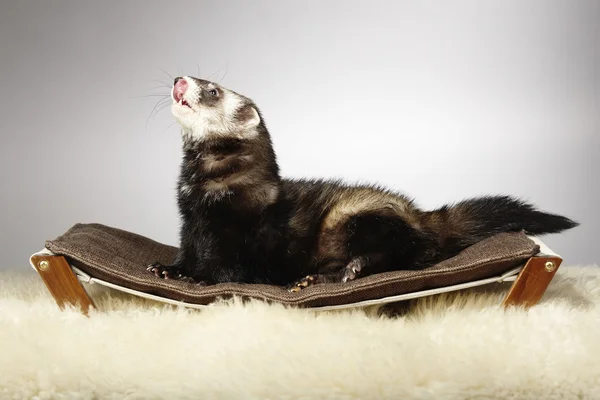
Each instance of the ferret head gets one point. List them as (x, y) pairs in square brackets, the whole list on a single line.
[(206, 110)]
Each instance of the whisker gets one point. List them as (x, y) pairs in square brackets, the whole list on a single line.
[(161, 81), (159, 109), (161, 103), (170, 125), (164, 85), (168, 74), (149, 95), (225, 74), (213, 74), (162, 107)]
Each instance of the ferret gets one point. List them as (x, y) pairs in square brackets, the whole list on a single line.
[(242, 222)]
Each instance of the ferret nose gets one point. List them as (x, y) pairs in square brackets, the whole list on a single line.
[(179, 87)]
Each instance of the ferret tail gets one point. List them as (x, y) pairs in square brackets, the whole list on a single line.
[(473, 220)]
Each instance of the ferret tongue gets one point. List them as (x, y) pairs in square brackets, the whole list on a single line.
[(179, 90)]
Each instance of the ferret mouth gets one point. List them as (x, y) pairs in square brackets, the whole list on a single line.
[(182, 102)]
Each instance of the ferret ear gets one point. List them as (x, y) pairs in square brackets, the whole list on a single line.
[(248, 116)]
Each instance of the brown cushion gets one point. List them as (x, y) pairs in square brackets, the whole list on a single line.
[(121, 257)]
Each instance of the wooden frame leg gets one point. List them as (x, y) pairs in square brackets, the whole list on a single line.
[(532, 282), (61, 281)]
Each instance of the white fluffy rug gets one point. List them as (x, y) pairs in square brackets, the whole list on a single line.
[(454, 346)]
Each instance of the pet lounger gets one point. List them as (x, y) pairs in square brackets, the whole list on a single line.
[(98, 254)]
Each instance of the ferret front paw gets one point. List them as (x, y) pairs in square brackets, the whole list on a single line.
[(353, 268), (171, 272), (165, 271), (303, 283)]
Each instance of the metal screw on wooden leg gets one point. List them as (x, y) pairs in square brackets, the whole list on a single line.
[(44, 265), (550, 266)]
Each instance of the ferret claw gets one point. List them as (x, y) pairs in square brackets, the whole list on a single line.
[(163, 271), (172, 273)]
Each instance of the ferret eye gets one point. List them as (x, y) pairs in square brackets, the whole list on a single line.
[(213, 92)]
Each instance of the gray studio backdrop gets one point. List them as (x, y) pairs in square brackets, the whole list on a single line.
[(441, 100)]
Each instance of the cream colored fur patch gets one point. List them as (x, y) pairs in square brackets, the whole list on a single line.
[(452, 346)]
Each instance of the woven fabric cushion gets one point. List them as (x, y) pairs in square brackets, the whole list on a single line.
[(121, 258)]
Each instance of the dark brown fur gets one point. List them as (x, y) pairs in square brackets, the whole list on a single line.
[(242, 222)]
